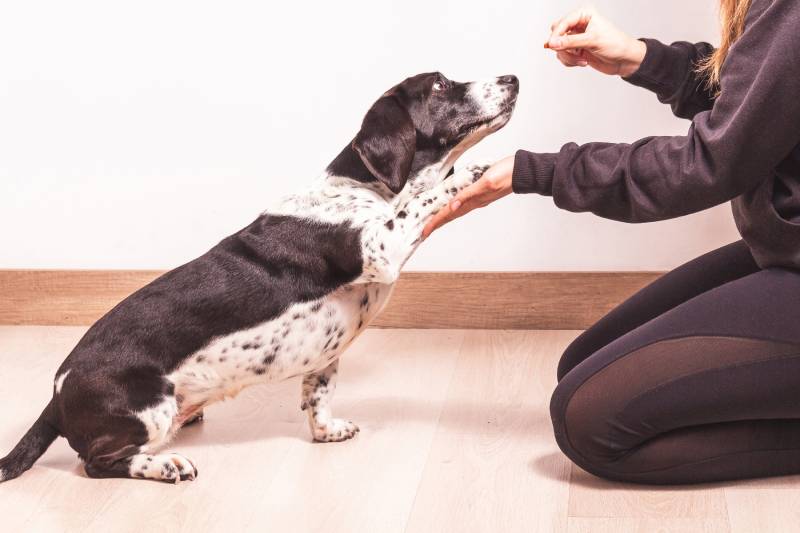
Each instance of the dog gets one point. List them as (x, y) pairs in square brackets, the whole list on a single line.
[(283, 297)]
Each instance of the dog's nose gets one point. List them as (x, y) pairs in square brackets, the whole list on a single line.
[(508, 79)]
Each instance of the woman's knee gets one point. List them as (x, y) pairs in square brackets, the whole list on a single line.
[(606, 330), (578, 350), (583, 429)]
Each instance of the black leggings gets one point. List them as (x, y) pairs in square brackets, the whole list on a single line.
[(696, 378)]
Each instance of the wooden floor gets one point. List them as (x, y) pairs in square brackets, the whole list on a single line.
[(455, 436)]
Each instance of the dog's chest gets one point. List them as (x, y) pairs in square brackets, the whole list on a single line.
[(306, 337)]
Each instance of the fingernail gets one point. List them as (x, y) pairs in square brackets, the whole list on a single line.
[(555, 42), (583, 63), (454, 205)]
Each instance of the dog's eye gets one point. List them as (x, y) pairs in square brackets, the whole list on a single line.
[(439, 86)]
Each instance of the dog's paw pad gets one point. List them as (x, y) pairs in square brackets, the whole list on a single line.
[(336, 430)]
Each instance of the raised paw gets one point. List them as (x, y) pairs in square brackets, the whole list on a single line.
[(336, 430), (464, 177), (168, 467), (477, 170)]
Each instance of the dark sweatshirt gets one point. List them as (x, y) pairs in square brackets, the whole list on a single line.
[(743, 145)]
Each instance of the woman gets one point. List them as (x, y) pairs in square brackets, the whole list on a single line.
[(696, 378)]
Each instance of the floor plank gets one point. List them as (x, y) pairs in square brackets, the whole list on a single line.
[(494, 466), (455, 437), (763, 509), (647, 525), (369, 483), (594, 497)]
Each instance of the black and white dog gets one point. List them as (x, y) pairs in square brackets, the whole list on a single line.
[(283, 297)]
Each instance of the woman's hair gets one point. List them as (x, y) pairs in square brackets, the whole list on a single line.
[(731, 14)]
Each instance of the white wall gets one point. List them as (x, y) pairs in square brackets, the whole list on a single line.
[(138, 134)]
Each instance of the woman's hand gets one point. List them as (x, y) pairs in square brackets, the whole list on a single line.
[(585, 38), (493, 185)]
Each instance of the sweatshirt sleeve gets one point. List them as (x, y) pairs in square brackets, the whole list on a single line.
[(671, 73), (728, 150)]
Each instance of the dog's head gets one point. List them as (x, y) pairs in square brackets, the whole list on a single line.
[(429, 120)]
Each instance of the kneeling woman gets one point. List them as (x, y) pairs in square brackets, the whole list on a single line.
[(696, 378)]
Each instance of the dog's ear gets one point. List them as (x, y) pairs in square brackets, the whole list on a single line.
[(387, 142)]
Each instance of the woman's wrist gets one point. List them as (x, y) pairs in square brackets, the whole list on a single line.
[(498, 176), (533, 172), (633, 58)]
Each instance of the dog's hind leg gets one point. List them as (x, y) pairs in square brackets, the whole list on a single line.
[(123, 444), (318, 389), (117, 420), (129, 462), (123, 454)]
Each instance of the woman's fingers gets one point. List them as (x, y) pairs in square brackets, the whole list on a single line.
[(575, 22), (445, 215), (570, 59), (458, 206), (441, 218)]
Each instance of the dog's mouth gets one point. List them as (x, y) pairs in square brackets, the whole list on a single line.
[(494, 123)]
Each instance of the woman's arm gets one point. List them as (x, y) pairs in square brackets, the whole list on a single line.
[(753, 126), (671, 72)]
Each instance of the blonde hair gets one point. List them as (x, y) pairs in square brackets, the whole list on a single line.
[(732, 14)]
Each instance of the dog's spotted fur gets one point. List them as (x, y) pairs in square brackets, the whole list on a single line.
[(283, 297)]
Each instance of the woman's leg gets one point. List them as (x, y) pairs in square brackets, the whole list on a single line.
[(708, 271), (708, 391)]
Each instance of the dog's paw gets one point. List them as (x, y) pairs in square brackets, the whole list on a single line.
[(168, 467), (336, 430), (477, 170), (464, 177)]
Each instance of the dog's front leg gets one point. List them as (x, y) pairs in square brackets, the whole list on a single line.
[(414, 213), (386, 247), (318, 389)]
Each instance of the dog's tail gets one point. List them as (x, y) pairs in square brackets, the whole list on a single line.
[(31, 447)]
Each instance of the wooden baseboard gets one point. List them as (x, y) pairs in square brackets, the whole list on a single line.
[(430, 300)]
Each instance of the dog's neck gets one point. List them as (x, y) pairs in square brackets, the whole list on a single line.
[(348, 164), (428, 168)]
